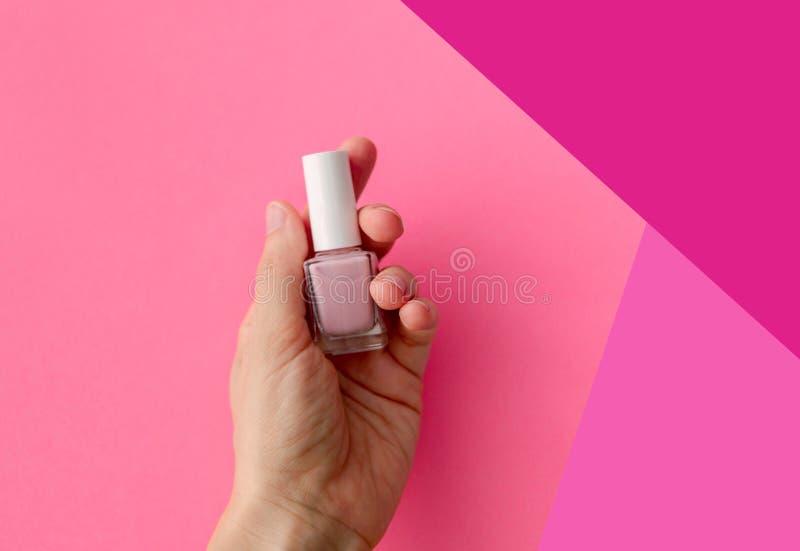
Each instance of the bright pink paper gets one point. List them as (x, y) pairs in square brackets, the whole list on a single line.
[(139, 144), (690, 437)]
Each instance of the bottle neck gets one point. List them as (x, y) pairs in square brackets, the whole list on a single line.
[(337, 251)]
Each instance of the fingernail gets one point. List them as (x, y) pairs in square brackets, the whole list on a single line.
[(421, 303), (396, 281), (388, 209), (276, 217), (398, 284)]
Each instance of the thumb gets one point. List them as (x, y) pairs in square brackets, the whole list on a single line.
[(276, 318)]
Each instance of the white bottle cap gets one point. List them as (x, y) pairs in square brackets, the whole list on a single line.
[(331, 201)]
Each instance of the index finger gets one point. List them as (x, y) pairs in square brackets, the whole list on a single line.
[(362, 153)]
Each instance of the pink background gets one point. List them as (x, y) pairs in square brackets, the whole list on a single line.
[(140, 143)]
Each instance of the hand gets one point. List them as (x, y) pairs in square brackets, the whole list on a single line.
[(323, 445)]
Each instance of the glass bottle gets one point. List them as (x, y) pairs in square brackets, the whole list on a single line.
[(344, 317)]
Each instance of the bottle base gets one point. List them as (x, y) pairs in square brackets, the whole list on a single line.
[(336, 346)]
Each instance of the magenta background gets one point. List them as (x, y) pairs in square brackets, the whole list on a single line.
[(688, 110), (139, 144)]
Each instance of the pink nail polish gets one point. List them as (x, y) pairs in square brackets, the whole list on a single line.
[(345, 318)]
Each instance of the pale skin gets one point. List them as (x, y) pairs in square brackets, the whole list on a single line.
[(323, 445)]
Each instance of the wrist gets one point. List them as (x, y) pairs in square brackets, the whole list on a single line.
[(255, 523)]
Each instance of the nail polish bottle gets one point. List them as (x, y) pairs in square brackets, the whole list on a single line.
[(345, 319)]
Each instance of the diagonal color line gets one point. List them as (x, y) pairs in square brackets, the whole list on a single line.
[(688, 440), (688, 113)]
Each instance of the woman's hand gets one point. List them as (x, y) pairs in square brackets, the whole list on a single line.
[(323, 445)]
